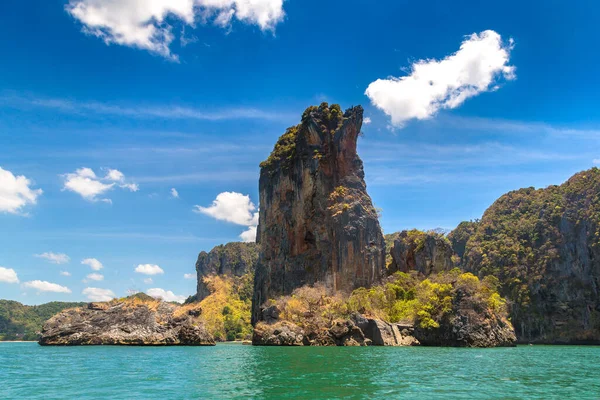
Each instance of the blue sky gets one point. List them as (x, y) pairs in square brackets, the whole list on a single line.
[(197, 106)]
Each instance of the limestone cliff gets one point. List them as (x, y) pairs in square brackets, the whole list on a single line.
[(544, 247), (232, 259), (317, 223), (424, 252), (137, 321)]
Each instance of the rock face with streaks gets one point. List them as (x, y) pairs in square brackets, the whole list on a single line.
[(231, 259), (317, 223), (425, 252), (135, 321)]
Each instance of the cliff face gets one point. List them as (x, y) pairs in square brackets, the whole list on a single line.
[(137, 321), (317, 222), (544, 247), (232, 259), (425, 252)]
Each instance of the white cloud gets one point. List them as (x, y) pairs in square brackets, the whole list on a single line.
[(235, 208), (174, 193), (144, 24), (65, 273), (86, 183), (367, 121), (96, 294), (94, 264), (43, 286), (115, 175), (231, 207), (434, 85), (16, 192), (132, 187), (8, 275), (94, 277), (165, 295), (189, 276), (148, 281), (149, 269), (249, 236), (54, 258)]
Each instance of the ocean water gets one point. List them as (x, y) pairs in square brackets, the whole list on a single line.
[(28, 371)]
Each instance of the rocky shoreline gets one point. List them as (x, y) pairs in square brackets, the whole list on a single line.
[(134, 321)]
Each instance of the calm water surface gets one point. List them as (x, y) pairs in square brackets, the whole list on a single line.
[(28, 371)]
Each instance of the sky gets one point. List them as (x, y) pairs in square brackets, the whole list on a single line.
[(131, 131)]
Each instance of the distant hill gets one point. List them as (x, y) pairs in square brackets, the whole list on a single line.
[(21, 322)]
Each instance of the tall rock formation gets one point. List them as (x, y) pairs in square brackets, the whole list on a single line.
[(317, 222), (544, 247), (425, 252), (231, 259)]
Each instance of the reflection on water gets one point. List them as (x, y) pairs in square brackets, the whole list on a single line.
[(236, 371)]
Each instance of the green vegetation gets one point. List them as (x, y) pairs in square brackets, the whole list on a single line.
[(526, 235), (285, 148), (407, 298), (461, 235), (226, 312), (21, 322), (328, 118)]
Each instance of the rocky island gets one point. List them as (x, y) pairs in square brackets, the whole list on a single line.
[(321, 277), (138, 320), (323, 274)]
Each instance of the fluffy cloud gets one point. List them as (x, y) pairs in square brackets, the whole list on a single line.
[(434, 85), (96, 294), (165, 295), (65, 273), (88, 185), (249, 235), (189, 276), (8, 275), (16, 192), (85, 183), (367, 121), (149, 269), (43, 286), (115, 175), (235, 208), (174, 193), (93, 264), (54, 258), (143, 24), (94, 277)]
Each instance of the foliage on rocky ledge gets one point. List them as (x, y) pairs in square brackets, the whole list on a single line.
[(226, 311), (327, 118), (21, 322), (430, 304)]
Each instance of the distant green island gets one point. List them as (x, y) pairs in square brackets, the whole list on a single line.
[(22, 322)]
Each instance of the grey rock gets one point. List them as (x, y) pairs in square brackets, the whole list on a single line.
[(126, 323)]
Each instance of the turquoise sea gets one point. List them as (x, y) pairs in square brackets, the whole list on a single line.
[(28, 371)]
